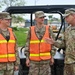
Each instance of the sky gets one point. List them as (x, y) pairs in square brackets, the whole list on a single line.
[(50, 2)]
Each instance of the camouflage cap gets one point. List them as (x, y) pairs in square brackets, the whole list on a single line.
[(4, 15), (39, 14), (68, 12)]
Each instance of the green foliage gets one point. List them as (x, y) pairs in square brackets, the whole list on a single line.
[(18, 18), (50, 16), (15, 28), (21, 36), (8, 3)]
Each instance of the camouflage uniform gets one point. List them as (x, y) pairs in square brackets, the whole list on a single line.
[(70, 51), (69, 44), (8, 68), (69, 68), (42, 67)]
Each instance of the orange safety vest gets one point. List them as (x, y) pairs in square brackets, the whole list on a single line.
[(7, 48), (39, 49)]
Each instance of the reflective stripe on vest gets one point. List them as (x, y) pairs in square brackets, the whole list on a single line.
[(4, 41), (41, 54), (36, 41), (7, 55), (11, 41)]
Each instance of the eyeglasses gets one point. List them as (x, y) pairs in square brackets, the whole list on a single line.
[(7, 19)]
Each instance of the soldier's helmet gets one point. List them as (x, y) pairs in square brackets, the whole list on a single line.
[(68, 12), (39, 14), (4, 15)]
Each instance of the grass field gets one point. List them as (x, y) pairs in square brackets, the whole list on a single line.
[(21, 34)]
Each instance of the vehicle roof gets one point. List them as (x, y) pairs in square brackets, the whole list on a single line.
[(32, 9)]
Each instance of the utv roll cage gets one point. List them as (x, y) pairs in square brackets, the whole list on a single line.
[(31, 9)]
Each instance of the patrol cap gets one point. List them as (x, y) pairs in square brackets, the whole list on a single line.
[(68, 12), (39, 14), (4, 15)]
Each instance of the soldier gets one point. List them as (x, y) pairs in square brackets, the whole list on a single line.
[(68, 43), (9, 60), (38, 52)]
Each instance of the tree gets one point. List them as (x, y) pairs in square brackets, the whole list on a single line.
[(8, 3), (50, 18), (17, 18)]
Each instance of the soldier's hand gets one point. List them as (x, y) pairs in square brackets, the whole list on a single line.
[(27, 62), (51, 61), (16, 68), (49, 40)]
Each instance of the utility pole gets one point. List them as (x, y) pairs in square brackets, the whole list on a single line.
[(36, 2), (10, 2)]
